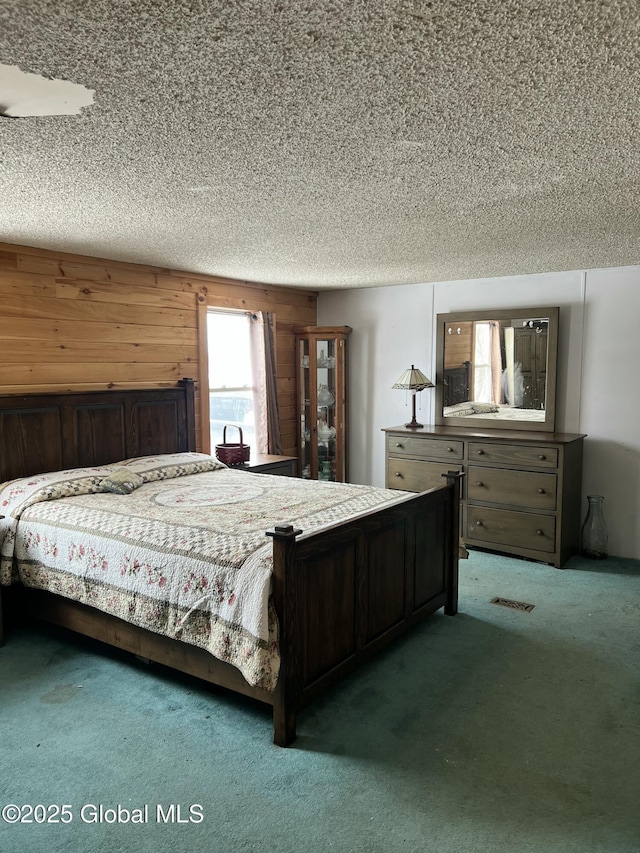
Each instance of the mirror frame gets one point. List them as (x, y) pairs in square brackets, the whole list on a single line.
[(444, 320)]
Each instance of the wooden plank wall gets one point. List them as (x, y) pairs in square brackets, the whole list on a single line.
[(69, 322), (458, 346)]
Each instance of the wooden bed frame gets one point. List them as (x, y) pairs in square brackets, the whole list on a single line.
[(341, 595)]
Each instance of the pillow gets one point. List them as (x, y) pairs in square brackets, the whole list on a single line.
[(459, 410), (465, 410), (121, 481), (166, 466), (484, 408)]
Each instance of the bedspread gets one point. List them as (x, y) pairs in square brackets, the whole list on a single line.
[(184, 555)]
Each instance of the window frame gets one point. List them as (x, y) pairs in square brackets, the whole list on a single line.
[(250, 390)]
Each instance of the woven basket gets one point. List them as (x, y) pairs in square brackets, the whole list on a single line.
[(232, 453)]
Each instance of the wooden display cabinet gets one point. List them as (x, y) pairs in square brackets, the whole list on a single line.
[(321, 402)]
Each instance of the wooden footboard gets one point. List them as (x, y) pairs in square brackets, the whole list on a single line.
[(344, 593)]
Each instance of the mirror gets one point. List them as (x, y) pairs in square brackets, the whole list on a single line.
[(497, 369)]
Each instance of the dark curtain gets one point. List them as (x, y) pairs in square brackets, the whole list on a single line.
[(263, 356)]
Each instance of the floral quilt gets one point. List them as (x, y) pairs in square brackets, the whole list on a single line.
[(184, 554)]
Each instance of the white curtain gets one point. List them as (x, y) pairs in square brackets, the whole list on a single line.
[(487, 373), (482, 364)]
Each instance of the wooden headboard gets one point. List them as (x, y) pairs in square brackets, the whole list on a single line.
[(53, 432), (457, 384)]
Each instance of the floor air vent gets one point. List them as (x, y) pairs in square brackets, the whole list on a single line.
[(514, 605)]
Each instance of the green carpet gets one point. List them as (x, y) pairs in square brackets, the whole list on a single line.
[(496, 730)]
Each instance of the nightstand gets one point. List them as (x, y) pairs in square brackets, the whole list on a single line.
[(265, 463)]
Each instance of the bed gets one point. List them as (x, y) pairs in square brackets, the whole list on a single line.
[(492, 412), (336, 590)]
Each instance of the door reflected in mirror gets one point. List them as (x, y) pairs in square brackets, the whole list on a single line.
[(497, 368)]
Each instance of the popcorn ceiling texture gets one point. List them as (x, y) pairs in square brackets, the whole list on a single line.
[(330, 143)]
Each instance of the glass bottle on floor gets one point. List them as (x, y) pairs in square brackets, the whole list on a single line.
[(594, 536)]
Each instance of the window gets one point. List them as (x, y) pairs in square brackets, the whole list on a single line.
[(231, 383)]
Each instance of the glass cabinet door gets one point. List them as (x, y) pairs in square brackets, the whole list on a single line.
[(304, 407), (321, 395)]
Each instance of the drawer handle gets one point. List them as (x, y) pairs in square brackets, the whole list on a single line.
[(481, 453), (399, 445), (478, 524), (539, 532), (542, 457), (541, 491), (449, 449), (480, 483), (398, 474)]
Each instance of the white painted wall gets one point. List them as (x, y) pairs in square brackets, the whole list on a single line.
[(598, 355)]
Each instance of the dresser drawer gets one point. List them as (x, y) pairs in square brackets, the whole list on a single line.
[(532, 489), (514, 454), (424, 448), (505, 527), (413, 476)]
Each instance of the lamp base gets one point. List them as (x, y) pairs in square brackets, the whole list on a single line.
[(414, 423)]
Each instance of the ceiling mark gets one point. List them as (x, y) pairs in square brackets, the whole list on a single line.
[(23, 94)]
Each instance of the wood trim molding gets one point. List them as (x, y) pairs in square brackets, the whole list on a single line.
[(203, 373)]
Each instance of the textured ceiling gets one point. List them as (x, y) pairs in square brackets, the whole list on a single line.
[(330, 143)]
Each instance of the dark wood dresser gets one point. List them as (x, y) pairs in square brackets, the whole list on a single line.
[(521, 491)]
